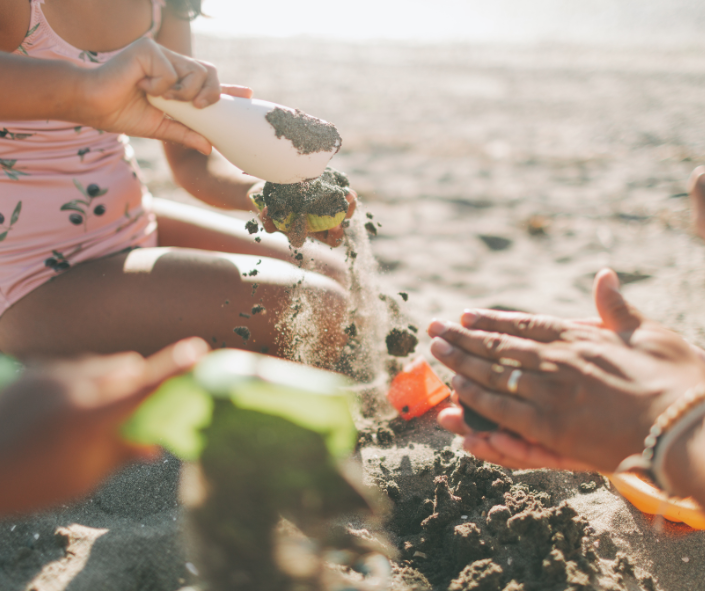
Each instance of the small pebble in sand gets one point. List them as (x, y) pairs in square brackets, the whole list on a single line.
[(243, 331), (192, 569), (685, 559)]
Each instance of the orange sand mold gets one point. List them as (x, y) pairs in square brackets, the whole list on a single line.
[(416, 389), (648, 499)]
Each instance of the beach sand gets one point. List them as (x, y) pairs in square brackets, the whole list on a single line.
[(500, 176)]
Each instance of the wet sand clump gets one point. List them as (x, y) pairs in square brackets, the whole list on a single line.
[(401, 342), (308, 134), (461, 523), (324, 196)]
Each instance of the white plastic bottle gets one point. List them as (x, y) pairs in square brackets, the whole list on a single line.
[(239, 130)]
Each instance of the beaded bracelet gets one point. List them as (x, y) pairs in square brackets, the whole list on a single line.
[(669, 426)]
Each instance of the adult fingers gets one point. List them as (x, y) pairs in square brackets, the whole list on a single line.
[(511, 412), (237, 91), (529, 326), (616, 313), (503, 348), (532, 455), (481, 448), (495, 376), (451, 419)]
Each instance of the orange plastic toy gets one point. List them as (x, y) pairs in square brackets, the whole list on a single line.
[(416, 389), (648, 499)]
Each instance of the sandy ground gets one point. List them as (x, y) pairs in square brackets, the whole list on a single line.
[(458, 152)]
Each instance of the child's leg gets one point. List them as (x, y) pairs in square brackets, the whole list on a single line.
[(150, 297), (189, 226)]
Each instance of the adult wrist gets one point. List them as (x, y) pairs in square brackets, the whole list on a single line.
[(666, 437), (682, 459)]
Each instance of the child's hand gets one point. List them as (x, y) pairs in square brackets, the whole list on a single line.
[(112, 97), (332, 237), (60, 424)]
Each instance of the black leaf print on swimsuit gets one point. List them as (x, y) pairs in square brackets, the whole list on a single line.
[(13, 220), (82, 152), (8, 167), (6, 133), (89, 56), (82, 207), (25, 43), (58, 262)]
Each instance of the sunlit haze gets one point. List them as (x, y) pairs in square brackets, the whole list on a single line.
[(676, 23)]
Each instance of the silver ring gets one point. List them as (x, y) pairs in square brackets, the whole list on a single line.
[(513, 382)]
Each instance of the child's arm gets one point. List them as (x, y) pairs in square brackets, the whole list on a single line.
[(60, 424), (211, 180), (110, 97)]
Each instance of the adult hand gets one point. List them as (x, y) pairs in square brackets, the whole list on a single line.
[(332, 237), (112, 96), (588, 391), (60, 424)]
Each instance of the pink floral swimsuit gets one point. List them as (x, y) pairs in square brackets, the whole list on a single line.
[(68, 193)]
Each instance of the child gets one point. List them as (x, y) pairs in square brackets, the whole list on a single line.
[(73, 211)]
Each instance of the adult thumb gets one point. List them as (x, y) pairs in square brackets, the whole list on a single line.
[(616, 313)]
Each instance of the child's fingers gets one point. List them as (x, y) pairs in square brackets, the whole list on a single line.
[(158, 71), (332, 237), (267, 222), (210, 90), (352, 203), (170, 130), (192, 76), (169, 362), (235, 90), (173, 360), (198, 82)]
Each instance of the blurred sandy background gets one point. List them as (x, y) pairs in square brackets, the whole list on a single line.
[(502, 175)]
